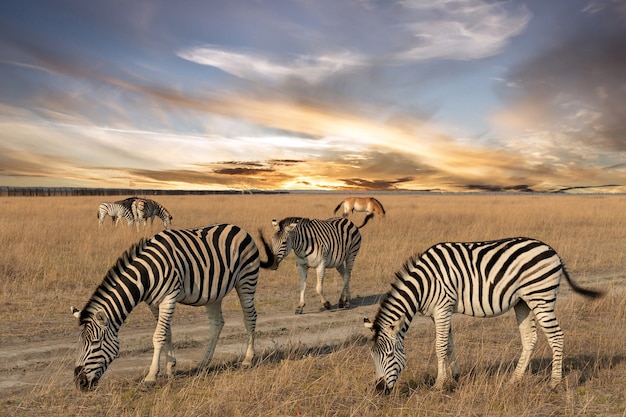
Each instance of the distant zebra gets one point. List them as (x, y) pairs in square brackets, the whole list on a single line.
[(116, 211), (195, 267), (318, 244), (481, 279), (145, 208)]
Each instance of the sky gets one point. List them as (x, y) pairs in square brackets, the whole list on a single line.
[(442, 95)]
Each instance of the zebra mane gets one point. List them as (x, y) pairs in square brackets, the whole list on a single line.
[(288, 220), (111, 276)]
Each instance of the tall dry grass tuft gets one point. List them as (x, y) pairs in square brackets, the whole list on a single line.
[(53, 256)]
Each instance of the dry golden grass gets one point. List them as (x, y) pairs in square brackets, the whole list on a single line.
[(53, 256)]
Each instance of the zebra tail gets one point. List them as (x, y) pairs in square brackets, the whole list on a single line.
[(268, 251), (580, 290)]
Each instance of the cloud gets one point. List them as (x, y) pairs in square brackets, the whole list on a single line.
[(252, 66), (461, 30), (566, 105)]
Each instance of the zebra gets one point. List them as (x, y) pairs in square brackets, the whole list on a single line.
[(318, 244), (116, 211), (482, 279), (144, 208), (196, 267)]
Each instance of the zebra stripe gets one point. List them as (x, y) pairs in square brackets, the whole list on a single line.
[(145, 208), (195, 267), (481, 279), (318, 244), (116, 211)]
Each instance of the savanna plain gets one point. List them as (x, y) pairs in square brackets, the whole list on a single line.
[(53, 255)]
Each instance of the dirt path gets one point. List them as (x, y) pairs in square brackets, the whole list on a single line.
[(24, 366)]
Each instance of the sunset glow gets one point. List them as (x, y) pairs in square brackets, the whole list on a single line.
[(448, 96)]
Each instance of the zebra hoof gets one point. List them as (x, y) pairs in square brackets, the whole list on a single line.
[(327, 305), (300, 310), (148, 384)]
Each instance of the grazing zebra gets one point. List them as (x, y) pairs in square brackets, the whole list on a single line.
[(482, 279), (318, 244), (370, 205), (145, 208), (195, 267), (116, 211)]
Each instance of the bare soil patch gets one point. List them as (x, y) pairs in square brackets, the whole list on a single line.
[(23, 362)]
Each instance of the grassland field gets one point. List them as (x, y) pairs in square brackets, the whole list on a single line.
[(318, 364)]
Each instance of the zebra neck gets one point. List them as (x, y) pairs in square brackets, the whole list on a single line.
[(399, 303)]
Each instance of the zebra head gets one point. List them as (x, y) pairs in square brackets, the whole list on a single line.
[(281, 239), (388, 353), (98, 344), (167, 219)]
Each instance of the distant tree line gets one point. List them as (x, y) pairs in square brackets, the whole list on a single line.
[(6, 191)]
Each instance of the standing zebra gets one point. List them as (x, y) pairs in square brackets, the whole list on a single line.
[(195, 267), (482, 279), (318, 244), (144, 208), (116, 211)]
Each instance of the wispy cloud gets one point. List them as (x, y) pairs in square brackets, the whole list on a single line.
[(464, 30), (255, 65)]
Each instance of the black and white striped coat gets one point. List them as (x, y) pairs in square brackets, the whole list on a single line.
[(195, 267), (481, 279), (116, 211), (144, 209), (319, 244)]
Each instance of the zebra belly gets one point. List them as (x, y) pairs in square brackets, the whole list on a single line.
[(483, 308), (202, 296)]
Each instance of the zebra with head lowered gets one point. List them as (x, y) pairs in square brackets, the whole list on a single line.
[(482, 279), (116, 211), (318, 244), (144, 208), (195, 267)]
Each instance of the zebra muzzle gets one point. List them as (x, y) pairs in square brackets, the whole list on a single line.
[(82, 382), (382, 387)]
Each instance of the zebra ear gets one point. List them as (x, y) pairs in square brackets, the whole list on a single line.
[(291, 227), (368, 324), (75, 312), (275, 224)]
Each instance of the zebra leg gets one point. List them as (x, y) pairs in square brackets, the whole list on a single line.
[(246, 298), (216, 322), (162, 338), (321, 273), (442, 333), (302, 270), (454, 367), (528, 333), (547, 321), (344, 299)]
